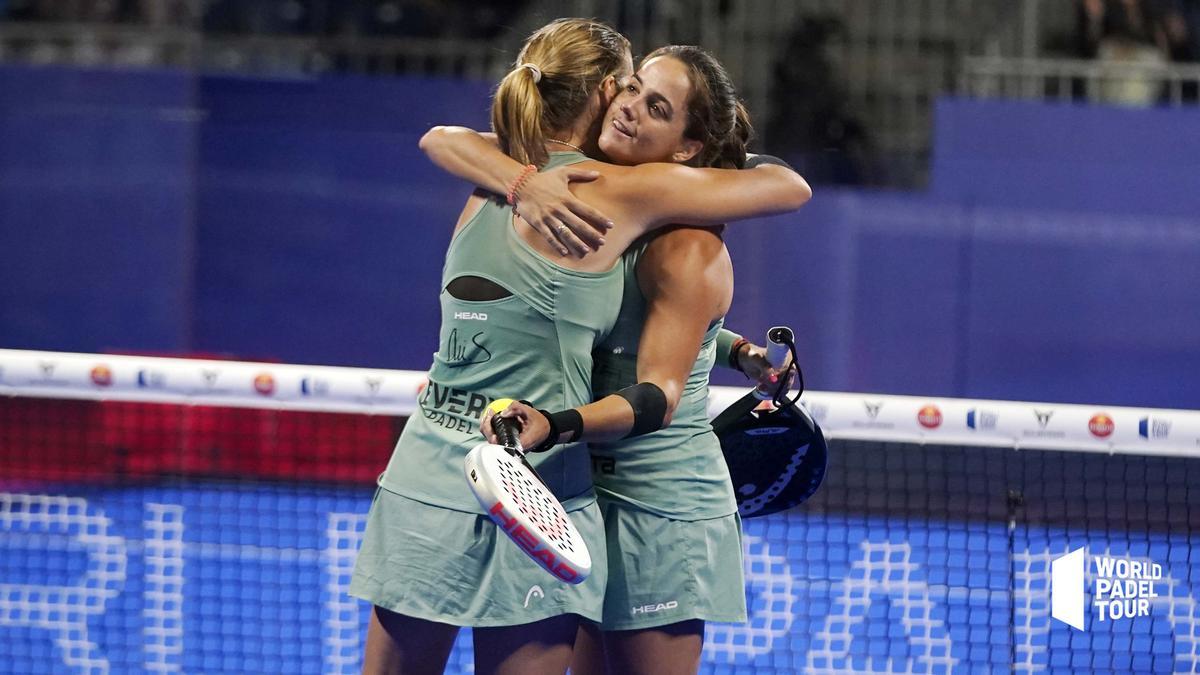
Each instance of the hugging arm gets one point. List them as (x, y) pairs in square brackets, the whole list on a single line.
[(673, 193), (544, 199)]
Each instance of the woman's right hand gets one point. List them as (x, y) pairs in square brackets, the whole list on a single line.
[(548, 205), (534, 427), (753, 362)]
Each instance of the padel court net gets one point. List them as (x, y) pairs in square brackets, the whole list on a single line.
[(172, 515)]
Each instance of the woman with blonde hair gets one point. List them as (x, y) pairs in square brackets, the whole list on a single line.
[(519, 319)]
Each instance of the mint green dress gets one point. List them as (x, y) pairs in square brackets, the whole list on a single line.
[(429, 552), (674, 536)]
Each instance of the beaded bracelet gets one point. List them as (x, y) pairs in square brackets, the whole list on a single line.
[(528, 171)]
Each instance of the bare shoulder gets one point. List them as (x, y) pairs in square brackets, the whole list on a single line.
[(688, 260), (687, 271), (474, 203), (685, 243)]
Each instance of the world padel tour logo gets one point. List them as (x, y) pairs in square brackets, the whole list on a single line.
[(979, 418), (151, 379), (930, 417), (314, 386), (1154, 428), (1122, 588), (1101, 425)]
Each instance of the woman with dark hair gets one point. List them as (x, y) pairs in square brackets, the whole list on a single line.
[(516, 318)]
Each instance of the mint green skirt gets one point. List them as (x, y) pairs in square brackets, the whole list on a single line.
[(453, 567), (662, 571)]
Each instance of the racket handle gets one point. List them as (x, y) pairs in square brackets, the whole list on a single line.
[(507, 430), (778, 340)]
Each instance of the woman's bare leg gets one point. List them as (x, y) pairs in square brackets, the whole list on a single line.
[(539, 648), (403, 645), (589, 651), (665, 650)]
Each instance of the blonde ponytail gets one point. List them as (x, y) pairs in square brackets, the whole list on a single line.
[(560, 66), (517, 117)]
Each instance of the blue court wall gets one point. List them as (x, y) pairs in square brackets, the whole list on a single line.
[(322, 227), (910, 294), (1067, 156), (96, 178), (289, 219), (295, 219)]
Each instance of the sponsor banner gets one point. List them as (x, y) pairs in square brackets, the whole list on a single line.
[(915, 419), (355, 385), (208, 382), (1052, 426), (54, 371)]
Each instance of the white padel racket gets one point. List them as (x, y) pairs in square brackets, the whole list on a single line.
[(516, 498)]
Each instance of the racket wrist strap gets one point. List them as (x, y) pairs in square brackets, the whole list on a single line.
[(561, 422)]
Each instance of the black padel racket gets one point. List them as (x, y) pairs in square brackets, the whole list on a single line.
[(775, 450)]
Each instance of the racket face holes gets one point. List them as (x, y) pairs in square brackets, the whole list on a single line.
[(528, 497)]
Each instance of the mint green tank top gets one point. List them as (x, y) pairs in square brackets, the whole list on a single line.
[(535, 344), (677, 472)]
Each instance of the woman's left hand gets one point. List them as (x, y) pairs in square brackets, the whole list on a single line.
[(753, 361)]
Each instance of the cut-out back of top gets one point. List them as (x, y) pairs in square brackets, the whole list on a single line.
[(476, 289)]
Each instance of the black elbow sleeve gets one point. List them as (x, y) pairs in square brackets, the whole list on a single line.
[(649, 405)]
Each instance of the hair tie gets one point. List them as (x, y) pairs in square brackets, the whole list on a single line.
[(537, 72)]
